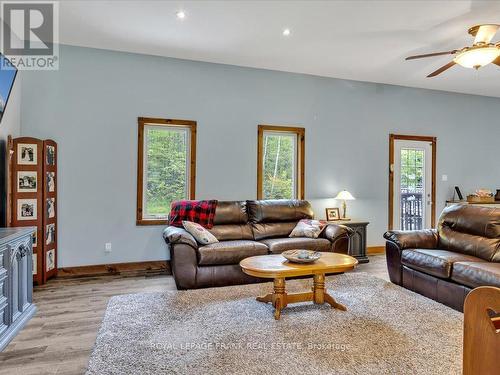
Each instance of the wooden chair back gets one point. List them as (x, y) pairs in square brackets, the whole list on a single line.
[(482, 332)]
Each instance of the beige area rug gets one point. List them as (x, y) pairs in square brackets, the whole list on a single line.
[(386, 330)]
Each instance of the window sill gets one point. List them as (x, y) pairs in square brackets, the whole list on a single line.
[(143, 222)]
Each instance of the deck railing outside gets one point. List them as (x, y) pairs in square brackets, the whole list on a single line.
[(412, 211)]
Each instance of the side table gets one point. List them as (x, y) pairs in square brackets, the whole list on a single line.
[(357, 243)]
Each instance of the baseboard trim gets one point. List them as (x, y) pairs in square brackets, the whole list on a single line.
[(124, 269), (372, 250)]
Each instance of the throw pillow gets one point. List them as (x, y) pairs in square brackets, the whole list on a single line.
[(308, 228), (200, 234)]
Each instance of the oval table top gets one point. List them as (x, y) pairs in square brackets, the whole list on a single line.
[(276, 266)]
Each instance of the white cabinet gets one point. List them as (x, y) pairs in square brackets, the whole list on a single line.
[(16, 282)]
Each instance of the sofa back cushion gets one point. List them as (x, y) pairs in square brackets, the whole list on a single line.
[(262, 231), (231, 221), (276, 218), (230, 232), (231, 212), (278, 210), (471, 230)]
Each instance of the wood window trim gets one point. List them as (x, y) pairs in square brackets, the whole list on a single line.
[(142, 122), (300, 157), (433, 141)]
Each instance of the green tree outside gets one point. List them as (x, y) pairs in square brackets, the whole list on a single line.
[(166, 168), (278, 173), (412, 171)]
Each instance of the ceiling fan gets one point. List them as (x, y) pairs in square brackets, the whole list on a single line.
[(481, 53)]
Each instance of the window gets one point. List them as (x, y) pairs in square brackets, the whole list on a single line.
[(166, 167), (280, 163)]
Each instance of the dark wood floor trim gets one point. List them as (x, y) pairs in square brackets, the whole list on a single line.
[(128, 269)]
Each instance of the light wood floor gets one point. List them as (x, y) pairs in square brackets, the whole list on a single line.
[(60, 337)]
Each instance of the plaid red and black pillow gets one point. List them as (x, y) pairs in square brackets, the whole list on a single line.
[(201, 212)]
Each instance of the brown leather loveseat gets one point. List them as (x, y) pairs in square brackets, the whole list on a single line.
[(244, 229), (447, 263)]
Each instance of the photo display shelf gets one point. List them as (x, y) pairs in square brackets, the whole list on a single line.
[(33, 166)]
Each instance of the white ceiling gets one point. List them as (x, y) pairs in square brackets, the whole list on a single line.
[(359, 40)]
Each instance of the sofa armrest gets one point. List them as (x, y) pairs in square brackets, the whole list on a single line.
[(183, 256), (415, 239), (176, 236), (333, 232), (338, 235), (398, 240)]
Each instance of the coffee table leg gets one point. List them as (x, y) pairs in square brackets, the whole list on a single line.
[(319, 289), (320, 296), (266, 298), (335, 305), (279, 297)]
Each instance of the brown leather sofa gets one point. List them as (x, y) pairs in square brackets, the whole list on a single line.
[(244, 229), (446, 263)]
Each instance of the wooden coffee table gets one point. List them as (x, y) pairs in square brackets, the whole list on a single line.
[(278, 268)]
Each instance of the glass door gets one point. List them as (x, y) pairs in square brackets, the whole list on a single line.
[(412, 184)]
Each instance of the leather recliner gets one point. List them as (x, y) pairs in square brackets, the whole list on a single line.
[(446, 263), (244, 229)]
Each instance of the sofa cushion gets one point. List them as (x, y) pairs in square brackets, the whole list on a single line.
[(262, 231), (278, 210), (475, 274), (437, 263), (471, 230), (228, 232), (229, 252), (278, 245), (231, 212)]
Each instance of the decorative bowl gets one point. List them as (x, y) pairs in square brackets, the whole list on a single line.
[(301, 256)]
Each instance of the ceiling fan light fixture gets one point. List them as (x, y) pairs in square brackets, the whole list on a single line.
[(477, 57)]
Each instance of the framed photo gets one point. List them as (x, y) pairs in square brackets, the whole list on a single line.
[(33, 239), (26, 154), (332, 214), (50, 234), (26, 209), (51, 207), (51, 155), (51, 182), (34, 265), (26, 181), (51, 259)]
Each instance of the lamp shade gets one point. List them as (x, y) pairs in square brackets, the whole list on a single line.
[(345, 195)]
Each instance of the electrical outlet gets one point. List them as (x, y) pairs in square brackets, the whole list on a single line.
[(107, 247), (444, 177)]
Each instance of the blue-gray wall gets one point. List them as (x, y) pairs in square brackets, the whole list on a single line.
[(90, 107)]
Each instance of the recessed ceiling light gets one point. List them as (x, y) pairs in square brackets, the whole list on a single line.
[(286, 32), (180, 14)]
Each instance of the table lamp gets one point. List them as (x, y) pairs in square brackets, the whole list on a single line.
[(344, 195)]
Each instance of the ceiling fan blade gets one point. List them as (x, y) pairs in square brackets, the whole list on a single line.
[(432, 54), (483, 33), (497, 61), (442, 69)]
